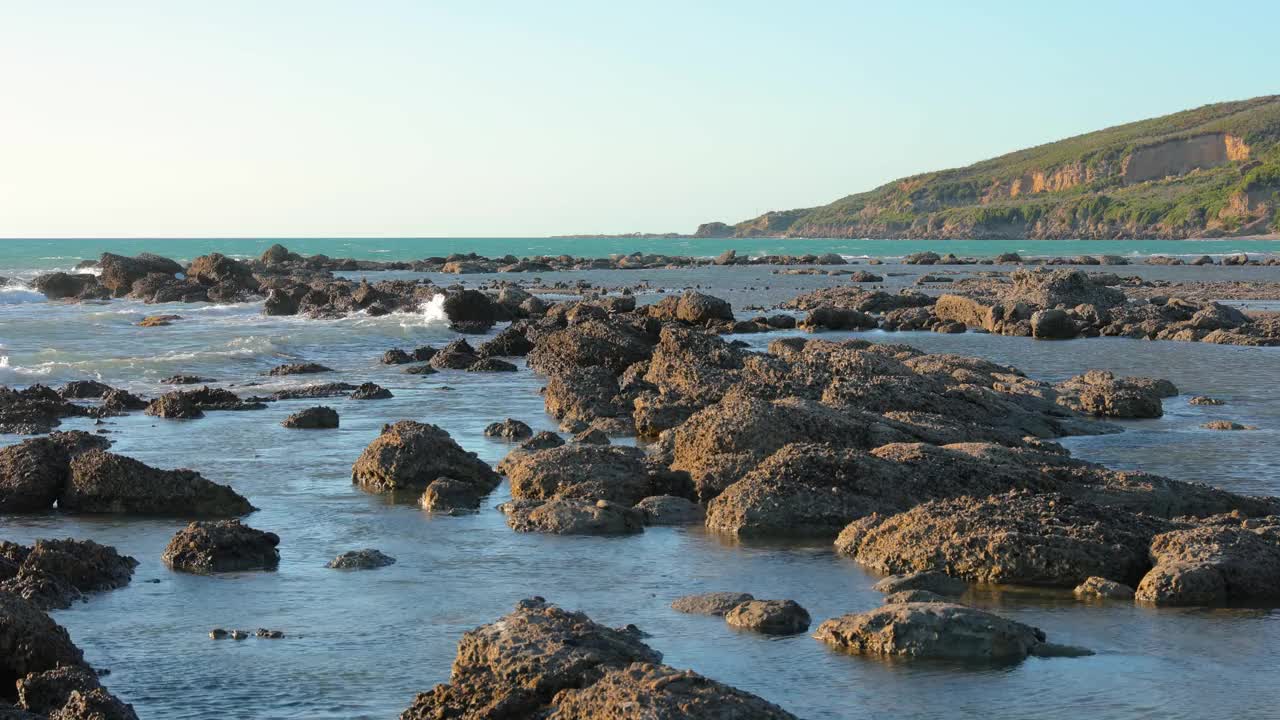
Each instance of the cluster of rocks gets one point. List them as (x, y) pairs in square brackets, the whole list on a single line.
[(742, 610), (1054, 540), (75, 471), (1049, 305), (264, 633), (42, 672), (419, 458), (543, 661)]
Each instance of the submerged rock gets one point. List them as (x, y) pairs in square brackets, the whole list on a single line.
[(367, 559), (1096, 587), (671, 510), (221, 546), (371, 391), (937, 583), (713, 603), (303, 368)]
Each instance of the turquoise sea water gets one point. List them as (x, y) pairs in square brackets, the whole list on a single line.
[(44, 254)]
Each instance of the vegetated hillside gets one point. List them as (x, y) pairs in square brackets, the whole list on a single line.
[(1209, 172)]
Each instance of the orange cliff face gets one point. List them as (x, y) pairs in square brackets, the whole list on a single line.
[(1179, 157)]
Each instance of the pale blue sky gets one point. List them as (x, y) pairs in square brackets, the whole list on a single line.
[(531, 118)]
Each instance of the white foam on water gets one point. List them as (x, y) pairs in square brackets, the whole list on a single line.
[(433, 311), (17, 294)]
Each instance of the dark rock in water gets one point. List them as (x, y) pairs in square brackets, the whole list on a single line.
[(280, 302), (122, 400), (221, 546), (55, 573), (218, 634), (425, 353), (218, 269), (509, 429), (32, 642), (470, 327), (95, 704), (671, 510), (366, 559), (452, 497), (103, 482), (32, 475), (371, 391), (609, 345), (79, 286), (562, 516), (457, 355), (665, 693), (510, 342), (932, 581), (409, 455), (277, 254), (542, 661), (396, 357), (118, 273), (81, 389), (311, 392), (423, 369), (906, 596), (1226, 425), (832, 318), (1227, 559), (1097, 587), (174, 405), (542, 441), (1102, 394), (771, 617), (937, 630), (35, 410), (1017, 538), (191, 404), (304, 368), (713, 603), (48, 692), (185, 380), (692, 307), (316, 418), (1053, 324), (1205, 400), (471, 308), (591, 436), (266, 634), (591, 472), (491, 365)]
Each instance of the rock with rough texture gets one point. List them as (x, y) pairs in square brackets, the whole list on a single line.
[(593, 343), (509, 429), (471, 307), (771, 617), (32, 475), (563, 516), (49, 691), (660, 692), (1053, 324), (302, 368), (1017, 538), (30, 642), (906, 596), (1226, 425), (927, 580), (316, 418), (1102, 394), (671, 510), (95, 704), (935, 630), (371, 391), (1227, 560), (366, 559), (54, 573), (515, 667), (103, 482), (593, 472), (218, 546), (491, 364), (713, 603), (1097, 587), (410, 455), (452, 497)]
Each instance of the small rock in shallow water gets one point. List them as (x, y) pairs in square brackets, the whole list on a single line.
[(316, 418), (269, 634), (371, 391), (366, 559), (905, 596), (239, 634), (1205, 400), (771, 617), (509, 429), (217, 634), (1226, 425), (712, 603), (1097, 587)]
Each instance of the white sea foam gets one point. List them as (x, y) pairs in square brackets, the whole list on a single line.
[(17, 293), (433, 310)]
